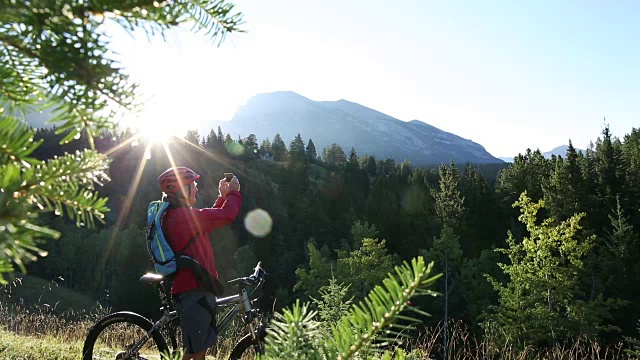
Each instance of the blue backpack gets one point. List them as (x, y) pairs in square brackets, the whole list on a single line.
[(167, 261), (162, 255)]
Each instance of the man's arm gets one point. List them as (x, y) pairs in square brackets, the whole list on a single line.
[(225, 214), (218, 203)]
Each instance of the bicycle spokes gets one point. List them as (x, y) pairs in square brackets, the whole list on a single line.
[(117, 340)]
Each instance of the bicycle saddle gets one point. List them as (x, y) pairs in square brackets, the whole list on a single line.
[(151, 278)]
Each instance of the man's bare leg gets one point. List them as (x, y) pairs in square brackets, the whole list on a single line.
[(197, 356)]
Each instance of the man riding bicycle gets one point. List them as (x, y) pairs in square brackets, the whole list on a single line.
[(185, 227)]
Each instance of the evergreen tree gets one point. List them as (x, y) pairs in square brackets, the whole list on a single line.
[(193, 137), (250, 144), (542, 304), (370, 165), (332, 303), (405, 171), (353, 159), (385, 167), (447, 256), (311, 153), (297, 177), (221, 137), (565, 191), (618, 259), (528, 172), (610, 174), (361, 269), (211, 142), (266, 145), (365, 267), (333, 156), (383, 205), (631, 156), (360, 231), (481, 216), (279, 148), (477, 292), (296, 150), (449, 202), (310, 280), (228, 140)]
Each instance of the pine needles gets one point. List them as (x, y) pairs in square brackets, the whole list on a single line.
[(55, 56), (374, 323)]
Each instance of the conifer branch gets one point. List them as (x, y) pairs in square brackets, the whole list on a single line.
[(19, 142), (379, 312), (376, 318)]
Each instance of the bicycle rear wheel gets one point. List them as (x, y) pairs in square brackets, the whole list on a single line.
[(114, 336)]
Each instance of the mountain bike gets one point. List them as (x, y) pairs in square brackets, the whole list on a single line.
[(127, 335)]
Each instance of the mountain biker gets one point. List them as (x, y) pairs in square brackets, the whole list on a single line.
[(194, 301)]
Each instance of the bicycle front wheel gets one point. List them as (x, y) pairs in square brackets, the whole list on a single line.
[(115, 336), (247, 349)]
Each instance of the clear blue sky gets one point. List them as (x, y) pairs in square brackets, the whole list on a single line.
[(508, 75)]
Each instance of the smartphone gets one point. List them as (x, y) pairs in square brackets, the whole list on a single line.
[(228, 176)]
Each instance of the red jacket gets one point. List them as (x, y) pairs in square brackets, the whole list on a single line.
[(181, 224)]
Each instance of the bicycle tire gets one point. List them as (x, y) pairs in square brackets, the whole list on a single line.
[(244, 344), (123, 317)]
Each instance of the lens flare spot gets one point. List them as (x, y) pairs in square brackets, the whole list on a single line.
[(234, 148), (258, 222), (414, 199)]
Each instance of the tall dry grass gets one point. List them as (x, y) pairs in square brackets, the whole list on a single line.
[(464, 345), (43, 321)]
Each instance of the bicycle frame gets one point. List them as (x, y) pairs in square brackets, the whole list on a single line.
[(241, 303)]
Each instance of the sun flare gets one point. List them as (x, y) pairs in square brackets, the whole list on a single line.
[(156, 133), (159, 125)]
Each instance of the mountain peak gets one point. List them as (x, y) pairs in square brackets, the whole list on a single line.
[(350, 124), (345, 101), (559, 151), (274, 102), (280, 95)]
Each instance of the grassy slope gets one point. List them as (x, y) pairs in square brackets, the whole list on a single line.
[(13, 346), (36, 291)]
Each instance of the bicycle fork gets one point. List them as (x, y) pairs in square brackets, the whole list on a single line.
[(256, 328)]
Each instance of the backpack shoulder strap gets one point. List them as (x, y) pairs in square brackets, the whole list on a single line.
[(155, 211), (208, 281)]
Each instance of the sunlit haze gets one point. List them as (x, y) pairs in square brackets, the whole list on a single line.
[(508, 75)]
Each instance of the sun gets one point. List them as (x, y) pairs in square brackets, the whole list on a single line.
[(157, 132), (159, 125)]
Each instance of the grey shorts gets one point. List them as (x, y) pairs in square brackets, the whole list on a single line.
[(197, 310)]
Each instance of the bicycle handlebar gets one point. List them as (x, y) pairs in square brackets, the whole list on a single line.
[(257, 270), (255, 280)]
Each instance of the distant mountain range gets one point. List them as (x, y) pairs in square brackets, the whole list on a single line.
[(557, 151), (35, 119), (350, 125), (38, 119)]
